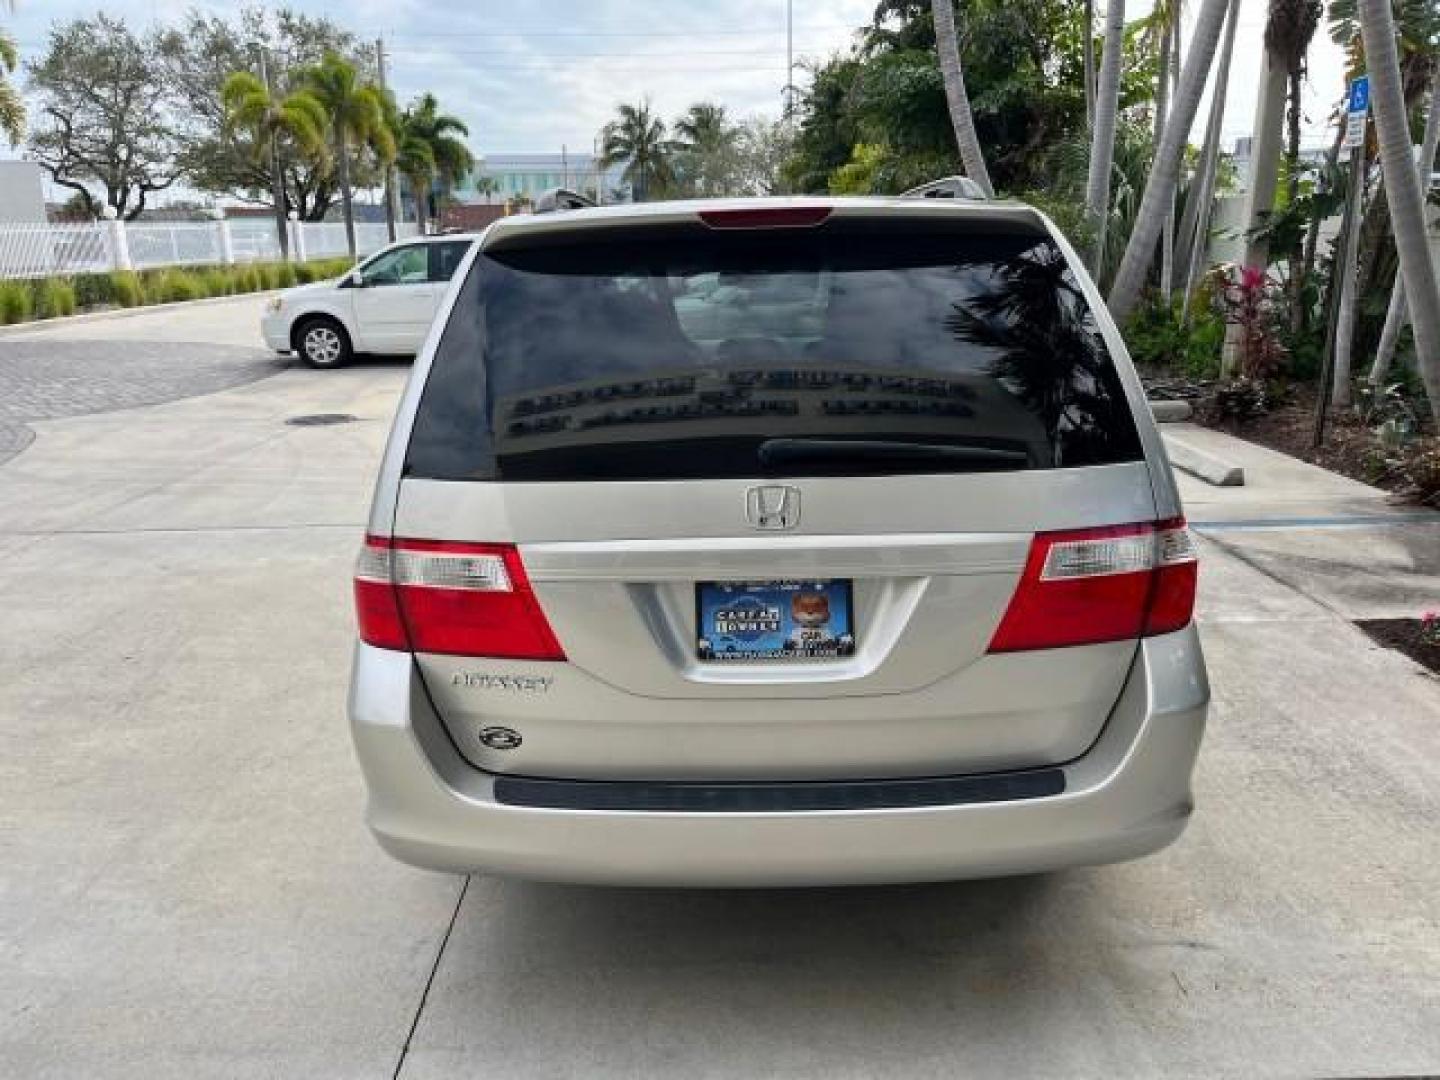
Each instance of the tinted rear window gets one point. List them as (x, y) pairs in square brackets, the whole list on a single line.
[(842, 350)]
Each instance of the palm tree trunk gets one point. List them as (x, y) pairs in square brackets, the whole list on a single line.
[(1167, 238), (343, 148), (1164, 174), (1195, 221), (1407, 203), (1102, 136), (1089, 47), (1346, 266), (420, 207), (1300, 316), (277, 186), (1265, 157), (1395, 314), (947, 45)]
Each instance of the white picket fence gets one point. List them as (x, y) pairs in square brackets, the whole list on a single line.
[(41, 249)]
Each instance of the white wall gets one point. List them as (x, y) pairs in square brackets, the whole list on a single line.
[(22, 195)]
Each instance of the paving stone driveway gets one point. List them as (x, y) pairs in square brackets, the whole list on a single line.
[(43, 379)]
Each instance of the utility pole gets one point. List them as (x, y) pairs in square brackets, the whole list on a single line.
[(599, 175), (390, 213), (789, 60), (277, 174)]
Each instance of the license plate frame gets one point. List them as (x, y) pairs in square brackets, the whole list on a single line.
[(775, 620)]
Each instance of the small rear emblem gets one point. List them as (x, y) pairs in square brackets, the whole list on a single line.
[(500, 738), (773, 506)]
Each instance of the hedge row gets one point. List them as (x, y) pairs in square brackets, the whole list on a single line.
[(47, 298)]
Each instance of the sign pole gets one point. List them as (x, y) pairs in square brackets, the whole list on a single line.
[(1346, 245)]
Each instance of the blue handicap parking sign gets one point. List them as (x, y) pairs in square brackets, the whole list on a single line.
[(1360, 95)]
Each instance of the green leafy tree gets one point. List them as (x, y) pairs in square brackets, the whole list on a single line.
[(707, 160), (355, 109), (273, 126), (432, 145), (201, 52), (12, 110), (637, 137), (103, 121), (1023, 63)]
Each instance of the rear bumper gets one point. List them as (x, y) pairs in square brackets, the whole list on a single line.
[(1128, 795)]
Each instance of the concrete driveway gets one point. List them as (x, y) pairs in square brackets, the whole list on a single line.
[(187, 888)]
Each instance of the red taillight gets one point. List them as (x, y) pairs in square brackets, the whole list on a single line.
[(432, 596), (1109, 584), (766, 217)]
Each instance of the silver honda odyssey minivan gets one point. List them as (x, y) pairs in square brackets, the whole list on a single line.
[(775, 541)]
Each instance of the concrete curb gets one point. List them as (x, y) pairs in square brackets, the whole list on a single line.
[(1203, 464), (1171, 412), (125, 313)]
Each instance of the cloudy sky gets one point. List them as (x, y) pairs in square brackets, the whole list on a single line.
[(538, 77)]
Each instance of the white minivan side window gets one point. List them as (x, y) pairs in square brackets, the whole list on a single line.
[(403, 266)]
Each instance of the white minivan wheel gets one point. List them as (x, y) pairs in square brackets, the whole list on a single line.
[(323, 343)]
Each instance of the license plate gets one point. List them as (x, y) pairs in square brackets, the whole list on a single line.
[(774, 620)]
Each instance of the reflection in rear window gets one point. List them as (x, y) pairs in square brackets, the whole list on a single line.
[(830, 351)]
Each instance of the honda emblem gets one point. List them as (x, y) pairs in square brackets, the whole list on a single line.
[(773, 507)]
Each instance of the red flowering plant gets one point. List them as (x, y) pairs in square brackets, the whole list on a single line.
[(1430, 628), (1253, 302)]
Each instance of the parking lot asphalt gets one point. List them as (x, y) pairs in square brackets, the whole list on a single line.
[(188, 889)]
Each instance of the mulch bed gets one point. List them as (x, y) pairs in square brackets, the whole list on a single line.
[(1403, 635), (1289, 427)]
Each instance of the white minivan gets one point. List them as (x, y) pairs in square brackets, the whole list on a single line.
[(385, 305)]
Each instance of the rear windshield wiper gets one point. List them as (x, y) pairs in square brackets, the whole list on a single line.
[(887, 452)]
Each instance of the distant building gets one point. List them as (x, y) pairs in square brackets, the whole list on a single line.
[(22, 194), (524, 176), (1309, 155)]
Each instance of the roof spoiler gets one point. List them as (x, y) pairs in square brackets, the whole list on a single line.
[(547, 202), (949, 187)]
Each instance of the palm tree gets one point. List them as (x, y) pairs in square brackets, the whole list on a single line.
[(706, 140), (356, 111), (1195, 221), (443, 136), (637, 137), (298, 118), (415, 161), (1165, 173), (12, 110), (1395, 314), (1289, 26), (1407, 202), (947, 44), (1102, 133)]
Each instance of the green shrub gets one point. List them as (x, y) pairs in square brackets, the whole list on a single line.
[(1160, 340), (324, 269), (173, 285), (248, 279), (218, 280), (16, 303), (54, 297), (126, 288), (93, 290), (287, 278)]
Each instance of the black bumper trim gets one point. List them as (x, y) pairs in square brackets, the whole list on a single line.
[(781, 797)]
